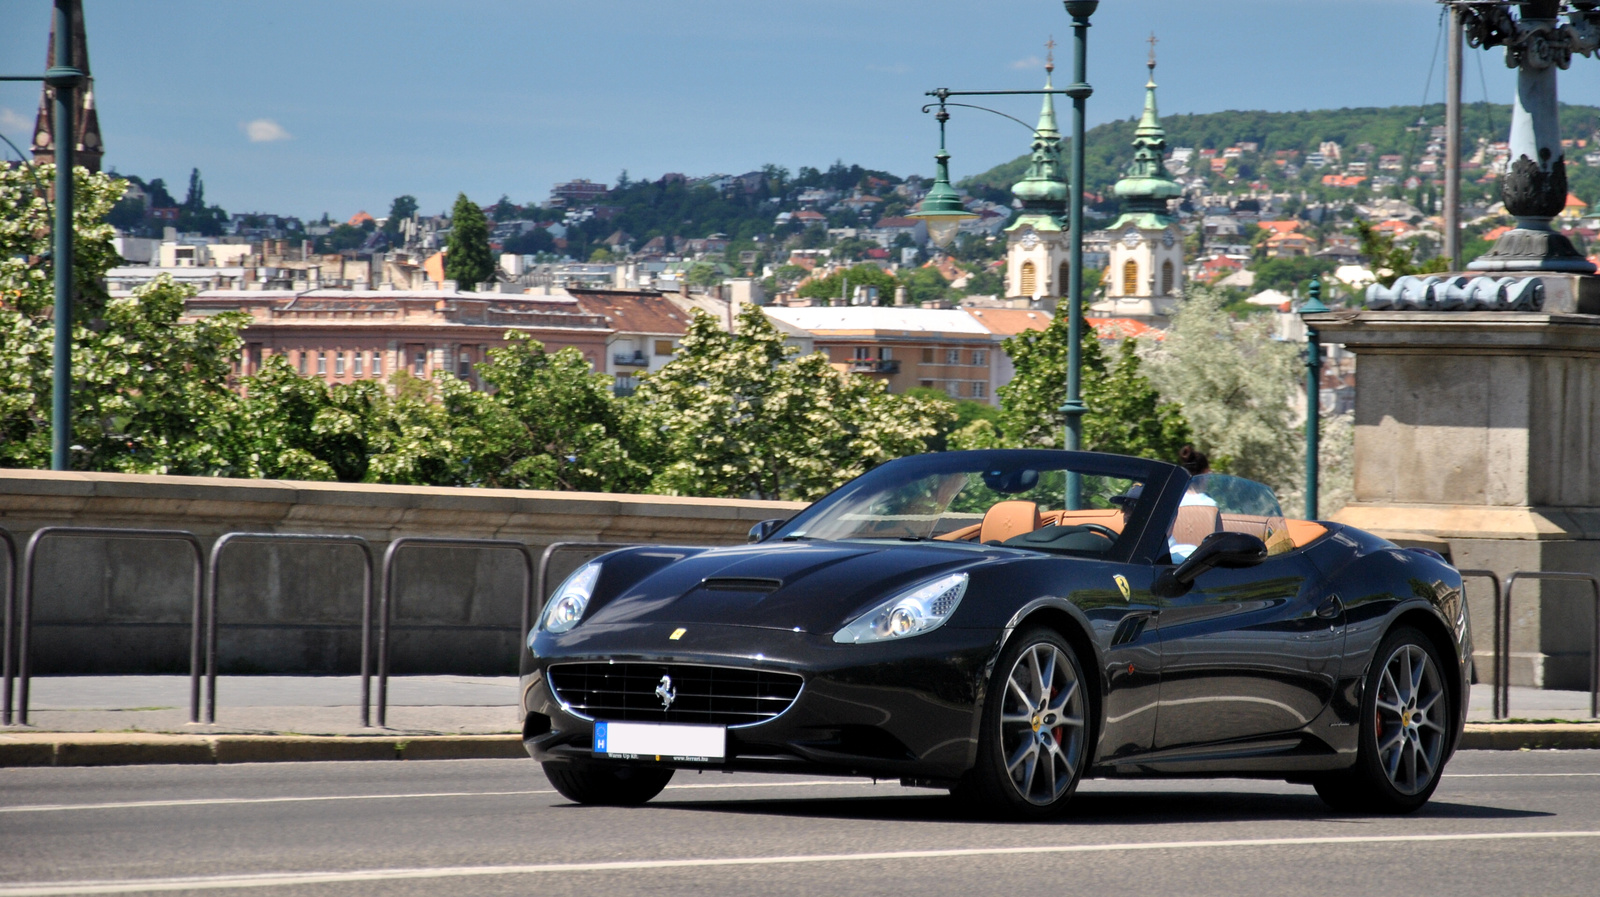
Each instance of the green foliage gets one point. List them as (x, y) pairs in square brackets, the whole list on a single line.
[(924, 285), (1390, 262), (1108, 148), (400, 209), (150, 394), (986, 283), (840, 286), (1234, 383), (965, 413), (1125, 412), (734, 415), (551, 423), (467, 260), (1288, 274), (704, 274)]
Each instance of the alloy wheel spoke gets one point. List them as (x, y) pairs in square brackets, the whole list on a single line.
[(1020, 755), (1022, 695), (1392, 740), (1059, 703), (1040, 686), (1418, 670), (1390, 707), (1425, 706)]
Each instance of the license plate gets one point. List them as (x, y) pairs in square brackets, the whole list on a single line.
[(661, 741)]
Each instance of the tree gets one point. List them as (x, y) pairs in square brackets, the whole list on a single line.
[(1234, 383), (150, 394), (467, 260), (704, 274), (840, 286), (551, 423), (735, 415), (1125, 412), (1389, 262), (400, 209), (925, 285)]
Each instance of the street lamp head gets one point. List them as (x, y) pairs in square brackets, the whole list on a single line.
[(941, 209), (1081, 9)]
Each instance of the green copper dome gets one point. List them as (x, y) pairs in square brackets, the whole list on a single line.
[(1146, 186), (1043, 189)]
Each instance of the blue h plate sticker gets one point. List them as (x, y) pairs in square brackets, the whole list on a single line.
[(600, 738)]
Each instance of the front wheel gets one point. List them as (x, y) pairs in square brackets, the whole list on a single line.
[(1406, 720), (611, 785), (1035, 730)]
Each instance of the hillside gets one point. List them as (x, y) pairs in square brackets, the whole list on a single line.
[(1386, 129)]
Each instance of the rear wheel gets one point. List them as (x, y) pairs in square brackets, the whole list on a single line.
[(1406, 720), (612, 785), (1034, 732)]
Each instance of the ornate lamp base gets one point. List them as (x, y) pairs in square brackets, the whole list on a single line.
[(1533, 246)]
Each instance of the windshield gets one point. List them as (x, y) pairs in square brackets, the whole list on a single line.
[(1054, 502)]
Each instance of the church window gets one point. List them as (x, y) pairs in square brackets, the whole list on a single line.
[(1030, 280), (1166, 278), (1062, 275), (1130, 278)]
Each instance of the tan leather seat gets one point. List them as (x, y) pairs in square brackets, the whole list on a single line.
[(1194, 523), (1007, 519)]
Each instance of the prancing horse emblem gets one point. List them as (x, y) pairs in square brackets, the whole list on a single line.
[(666, 693), (1122, 586)]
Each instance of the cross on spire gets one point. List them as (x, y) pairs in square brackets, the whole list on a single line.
[(1050, 54), (1153, 41)]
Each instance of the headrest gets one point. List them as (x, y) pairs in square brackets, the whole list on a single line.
[(1007, 519)]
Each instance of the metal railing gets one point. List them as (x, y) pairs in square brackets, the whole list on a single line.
[(544, 568), (387, 600), (10, 615), (213, 574), (1503, 683), (25, 618), (1495, 659)]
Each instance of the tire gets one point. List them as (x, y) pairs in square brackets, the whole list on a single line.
[(1407, 716), (1033, 744), (609, 785)]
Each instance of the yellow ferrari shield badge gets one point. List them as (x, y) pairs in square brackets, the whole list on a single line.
[(677, 634), (1122, 586)]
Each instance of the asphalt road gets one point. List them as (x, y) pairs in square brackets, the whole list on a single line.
[(1522, 823)]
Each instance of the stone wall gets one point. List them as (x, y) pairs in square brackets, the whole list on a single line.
[(1481, 429), (123, 606)]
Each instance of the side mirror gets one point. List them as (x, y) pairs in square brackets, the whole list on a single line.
[(765, 528), (1230, 551)]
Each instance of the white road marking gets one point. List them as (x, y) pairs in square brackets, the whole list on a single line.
[(227, 801), (284, 879), (1517, 775)]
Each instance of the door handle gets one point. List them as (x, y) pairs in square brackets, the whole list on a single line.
[(1330, 608)]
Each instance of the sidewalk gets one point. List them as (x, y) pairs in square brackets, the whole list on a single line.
[(113, 720)]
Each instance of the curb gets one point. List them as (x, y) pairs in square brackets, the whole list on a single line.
[(1530, 736), (124, 749)]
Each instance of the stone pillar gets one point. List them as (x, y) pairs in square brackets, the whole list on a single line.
[(1480, 428)]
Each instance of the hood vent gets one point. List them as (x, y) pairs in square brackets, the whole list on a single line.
[(745, 584)]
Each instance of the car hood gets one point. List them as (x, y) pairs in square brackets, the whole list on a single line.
[(810, 586)]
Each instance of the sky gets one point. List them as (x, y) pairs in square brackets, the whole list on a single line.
[(304, 106)]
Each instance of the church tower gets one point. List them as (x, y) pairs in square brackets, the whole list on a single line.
[(86, 129), (1036, 243), (1145, 277)]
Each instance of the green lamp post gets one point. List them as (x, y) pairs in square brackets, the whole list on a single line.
[(1312, 306), (941, 209), (66, 78), (1079, 90)]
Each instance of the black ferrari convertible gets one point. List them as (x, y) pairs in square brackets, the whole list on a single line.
[(1001, 624)]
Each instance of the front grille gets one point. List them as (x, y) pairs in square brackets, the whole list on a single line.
[(626, 692)]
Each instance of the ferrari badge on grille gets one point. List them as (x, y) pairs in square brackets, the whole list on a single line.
[(666, 693)]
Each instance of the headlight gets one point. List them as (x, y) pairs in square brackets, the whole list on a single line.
[(571, 600), (923, 608)]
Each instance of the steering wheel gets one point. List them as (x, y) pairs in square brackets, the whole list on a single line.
[(1100, 530)]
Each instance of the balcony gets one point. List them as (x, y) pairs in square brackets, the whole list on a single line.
[(636, 359), (875, 366)]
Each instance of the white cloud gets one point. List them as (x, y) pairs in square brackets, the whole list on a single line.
[(14, 124), (1032, 62), (264, 130)]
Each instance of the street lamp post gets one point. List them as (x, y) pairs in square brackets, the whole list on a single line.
[(1313, 305), (65, 77), (942, 208), (1079, 90)]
